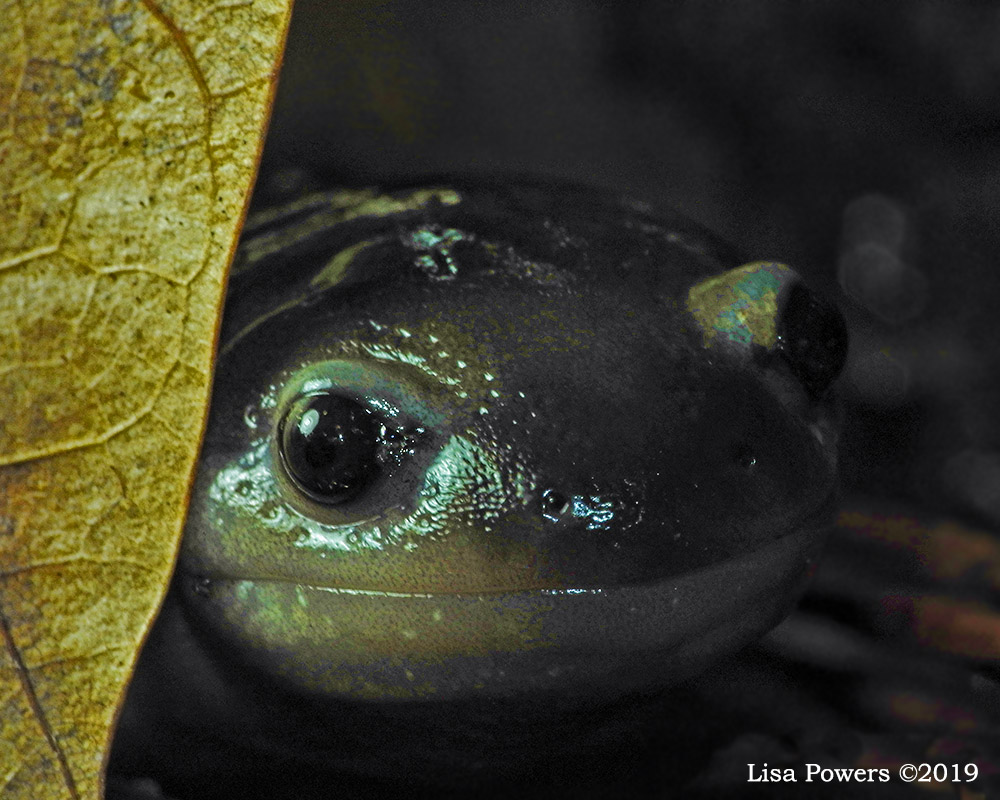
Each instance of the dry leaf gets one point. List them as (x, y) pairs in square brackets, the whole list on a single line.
[(129, 133)]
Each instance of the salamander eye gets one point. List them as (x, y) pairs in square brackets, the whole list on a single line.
[(812, 338), (763, 308), (331, 447)]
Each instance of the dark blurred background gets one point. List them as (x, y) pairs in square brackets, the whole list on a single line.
[(859, 142)]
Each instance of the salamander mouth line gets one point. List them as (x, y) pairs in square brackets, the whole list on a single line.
[(812, 522), (777, 544), (340, 590)]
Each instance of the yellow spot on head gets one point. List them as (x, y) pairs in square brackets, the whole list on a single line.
[(740, 306)]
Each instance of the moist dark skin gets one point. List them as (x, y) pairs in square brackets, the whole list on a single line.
[(481, 477)]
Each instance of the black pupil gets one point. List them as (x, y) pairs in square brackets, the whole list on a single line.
[(813, 339), (330, 445)]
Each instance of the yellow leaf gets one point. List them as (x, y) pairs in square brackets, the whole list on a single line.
[(129, 134)]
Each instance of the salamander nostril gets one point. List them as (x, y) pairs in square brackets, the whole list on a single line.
[(744, 457), (554, 504)]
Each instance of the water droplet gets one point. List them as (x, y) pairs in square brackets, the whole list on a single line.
[(270, 512), (251, 416), (297, 535)]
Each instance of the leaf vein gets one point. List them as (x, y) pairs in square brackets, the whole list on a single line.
[(182, 44), (37, 566), (36, 708), (71, 659), (84, 442)]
